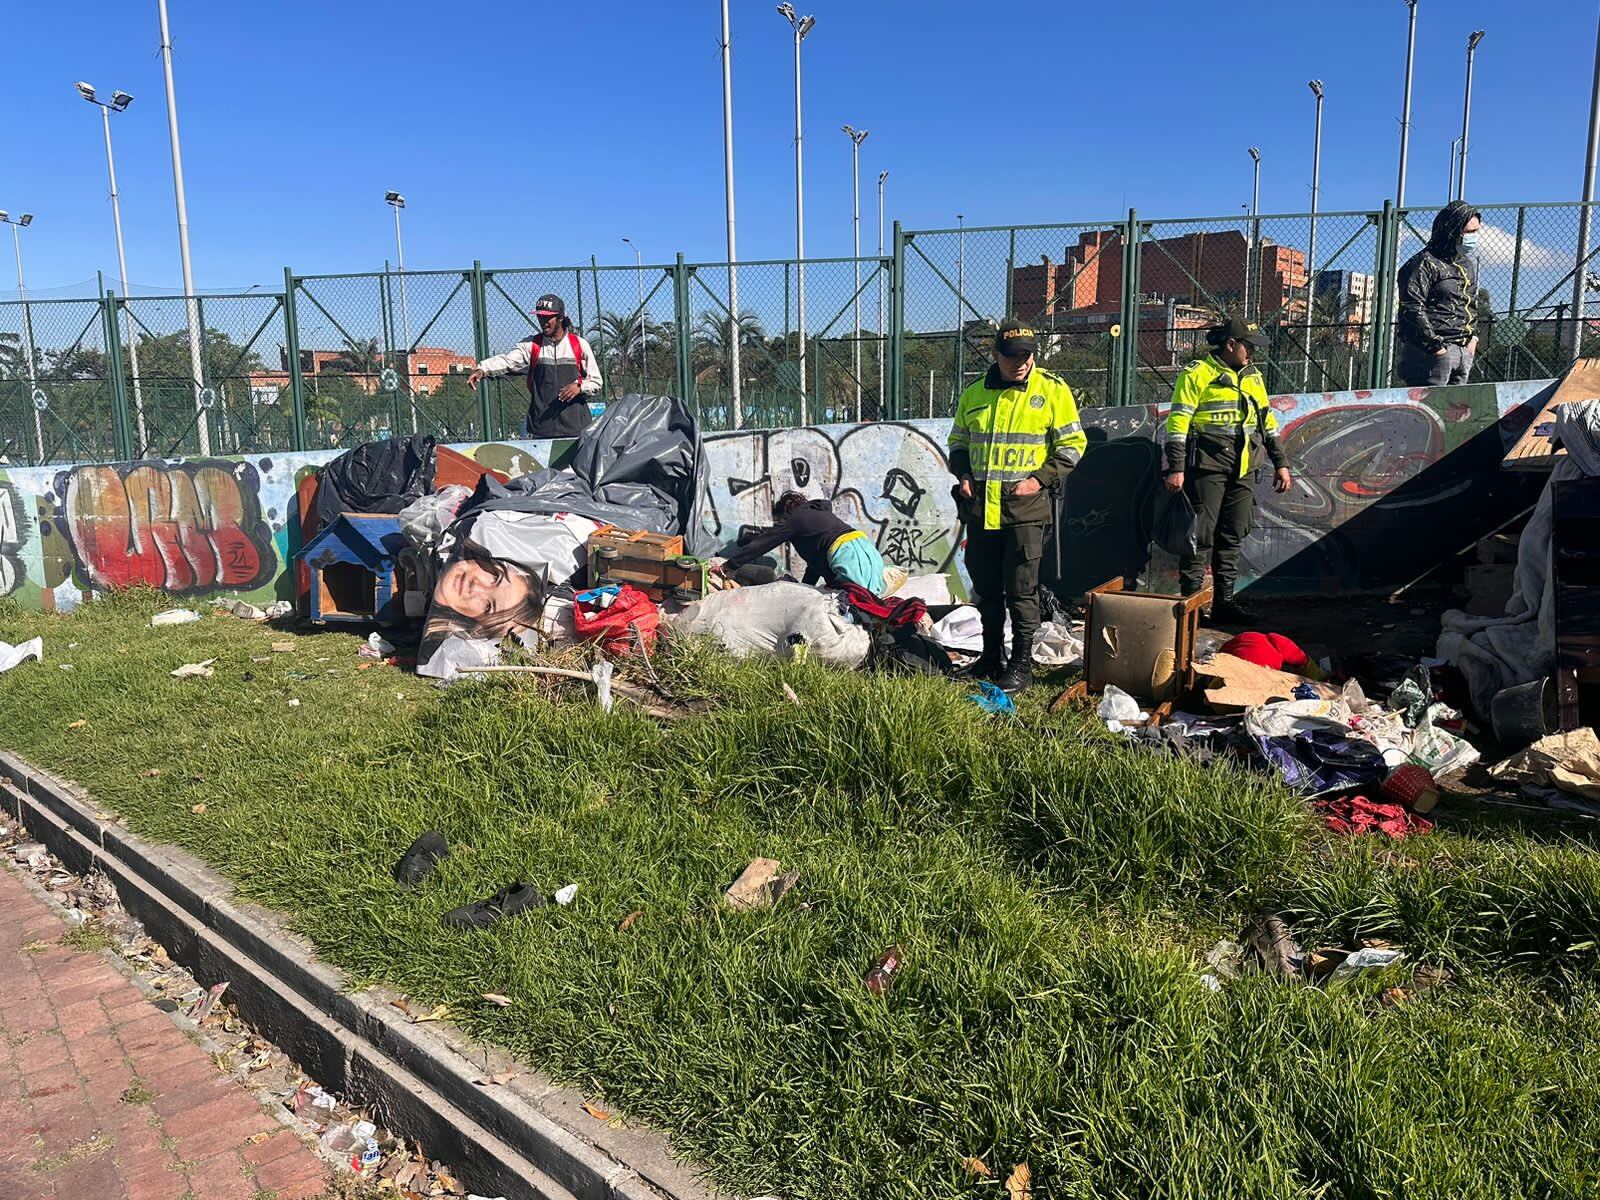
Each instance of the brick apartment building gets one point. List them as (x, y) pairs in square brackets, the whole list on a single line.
[(1352, 296), (426, 362), (1085, 291)]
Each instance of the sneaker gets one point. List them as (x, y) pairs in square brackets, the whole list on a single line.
[(417, 863), (507, 902)]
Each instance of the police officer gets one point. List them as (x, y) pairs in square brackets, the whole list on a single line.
[(1015, 436), (1219, 423)]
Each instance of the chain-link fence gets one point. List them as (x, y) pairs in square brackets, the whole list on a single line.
[(1119, 305)]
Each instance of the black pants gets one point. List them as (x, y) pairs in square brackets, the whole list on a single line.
[(1223, 506), (1003, 565)]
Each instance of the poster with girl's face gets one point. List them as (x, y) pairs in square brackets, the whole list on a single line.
[(477, 599)]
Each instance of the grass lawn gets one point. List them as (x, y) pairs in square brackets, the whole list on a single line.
[(1054, 894)]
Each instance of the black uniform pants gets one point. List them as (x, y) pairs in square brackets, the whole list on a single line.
[(1003, 565), (1223, 507)]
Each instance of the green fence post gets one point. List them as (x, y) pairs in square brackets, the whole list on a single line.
[(897, 327), (1128, 375), (291, 350), (478, 285), (121, 425), (1383, 310), (1011, 270), (680, 311)]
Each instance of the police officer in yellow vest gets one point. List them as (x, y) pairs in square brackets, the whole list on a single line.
[(1218, 426), (1015, 436)]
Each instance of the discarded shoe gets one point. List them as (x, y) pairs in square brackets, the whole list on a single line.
[(507, 902), (1016, 678), (417, 863)]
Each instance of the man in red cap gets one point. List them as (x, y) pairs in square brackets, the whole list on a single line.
[(561, 370)]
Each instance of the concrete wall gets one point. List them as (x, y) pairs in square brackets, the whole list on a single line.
[(1389, 484)]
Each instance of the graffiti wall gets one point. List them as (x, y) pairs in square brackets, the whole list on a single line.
[(1388, 484)]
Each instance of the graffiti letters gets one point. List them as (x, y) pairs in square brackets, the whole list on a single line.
[(186, 527), (13, 533)]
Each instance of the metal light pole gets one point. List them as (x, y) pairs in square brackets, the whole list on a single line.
[(118, 103), (733, 254), (1466, 115), (802, 26), (396, 201), (856, 136), (1586, 216), (192, 307), (1311, 249), (638, 279), (1252, 268), (1450, 188), (1405, 112), (882, 175), (19, 223)]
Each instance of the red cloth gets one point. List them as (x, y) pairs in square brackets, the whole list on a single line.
[(1357, 814), (613, 626), (1271, 650), (896, 612)]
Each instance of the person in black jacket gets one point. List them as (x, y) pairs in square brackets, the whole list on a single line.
[(833, 551), (1439, 301)]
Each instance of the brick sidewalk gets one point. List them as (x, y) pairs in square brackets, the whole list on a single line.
[(103, 1097)]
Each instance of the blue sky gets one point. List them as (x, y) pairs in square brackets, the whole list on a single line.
[(531, 135)]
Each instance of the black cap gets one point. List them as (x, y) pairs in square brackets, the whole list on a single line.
[(1236, 328), (550, 305), (1015, 339)]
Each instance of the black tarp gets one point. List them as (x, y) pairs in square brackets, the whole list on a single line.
[(376, 477)]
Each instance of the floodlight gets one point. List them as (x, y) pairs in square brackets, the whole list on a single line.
[(27, 219), (1477, 36), (120, 100), (394, 198), (86, 90), (1316, 88)]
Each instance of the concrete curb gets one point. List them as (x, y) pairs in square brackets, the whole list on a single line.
[(521, 1140)]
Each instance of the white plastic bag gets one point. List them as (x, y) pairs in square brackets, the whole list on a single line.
[(1117, 709)]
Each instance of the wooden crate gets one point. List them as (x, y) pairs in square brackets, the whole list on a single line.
[(652, 562), (1533, 451), (632, 544)]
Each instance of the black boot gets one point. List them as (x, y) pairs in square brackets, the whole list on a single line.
[(993, 660), (1018, 675), (1226, 609)]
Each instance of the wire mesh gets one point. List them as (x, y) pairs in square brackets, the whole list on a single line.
[(56, 395)]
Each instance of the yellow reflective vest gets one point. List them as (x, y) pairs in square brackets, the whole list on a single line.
[(1216, 413), (1004, 433)]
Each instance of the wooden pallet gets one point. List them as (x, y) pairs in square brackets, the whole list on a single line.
[(1532, 451)]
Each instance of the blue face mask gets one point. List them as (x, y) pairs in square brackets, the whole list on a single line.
[(1469, 241)]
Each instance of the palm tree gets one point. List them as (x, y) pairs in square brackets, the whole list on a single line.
[(359, 357), (12, 362), (631, 338), (714, 340)]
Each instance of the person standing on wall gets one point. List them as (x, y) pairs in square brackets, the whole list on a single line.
[(561, 369), (1438, 324), (1015, 437), (1219, 415)]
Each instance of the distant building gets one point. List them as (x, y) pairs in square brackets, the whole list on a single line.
[(1203, 269), (1355, 292), (426, 361)]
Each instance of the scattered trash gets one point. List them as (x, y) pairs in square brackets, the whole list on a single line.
[(497, 999), (1568, 761), (175, 616), (294, 703), (991, 699), (1369, 958), (80, 723), (1411, 786), (880, 977), (1019, 1184), (198, 809), (601, 673), (791, 697), (565, 896), (246, 611), (627, 921), (1357, 815), (599, 1114), (283, 647), (976, 1167), (1119, 710), (66, 667), (500, 1080), (279, 609), (199, 670), (203, 1009), (507, 902), (376, 646), (1269, 939), (760, 885), (11, 656)]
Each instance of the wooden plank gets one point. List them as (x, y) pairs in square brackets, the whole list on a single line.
[(1532, 451)]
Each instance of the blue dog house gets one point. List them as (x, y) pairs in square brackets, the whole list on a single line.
[(354, 569)]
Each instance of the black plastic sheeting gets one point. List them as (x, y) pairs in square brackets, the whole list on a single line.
[(640, 466), (376, 477)]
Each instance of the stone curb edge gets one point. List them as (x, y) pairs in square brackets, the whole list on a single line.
[(504, 1139)]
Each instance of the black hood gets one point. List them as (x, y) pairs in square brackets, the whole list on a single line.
[(1448, 226)]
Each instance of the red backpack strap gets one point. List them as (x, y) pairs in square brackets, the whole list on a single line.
[(577, 353)]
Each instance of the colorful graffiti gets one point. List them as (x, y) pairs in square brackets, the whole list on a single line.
[(891, 480), (189, 528), (1378, 476)]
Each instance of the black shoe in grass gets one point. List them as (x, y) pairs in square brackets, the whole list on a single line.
[(507, 902), (417, 863)]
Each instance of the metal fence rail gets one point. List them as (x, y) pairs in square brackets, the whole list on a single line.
[(1121, 306)]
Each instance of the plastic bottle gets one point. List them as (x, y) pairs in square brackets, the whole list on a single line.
[(881, 976)]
